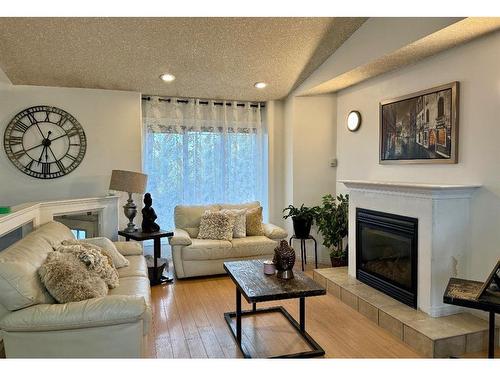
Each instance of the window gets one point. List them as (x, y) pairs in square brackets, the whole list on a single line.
[(203, 153)]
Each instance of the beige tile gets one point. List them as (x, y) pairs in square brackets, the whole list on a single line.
[(320, 279), (368, 310), (436, 328), (452, 346), (387, 322), (421, 343), (349, 298), (333, 288), (466, 321), (476, 342), (404, 313)]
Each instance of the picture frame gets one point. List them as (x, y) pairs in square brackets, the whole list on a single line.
[(420, 128)]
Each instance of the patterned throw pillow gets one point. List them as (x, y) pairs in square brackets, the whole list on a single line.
[(216, 225), (240, 221), (254, 222)]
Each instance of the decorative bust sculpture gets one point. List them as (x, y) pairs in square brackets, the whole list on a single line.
[(149, 216), (284, 259)]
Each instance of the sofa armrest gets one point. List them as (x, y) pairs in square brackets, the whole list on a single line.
[(181, 238), (127, 248), (95, 312), (274, 232)]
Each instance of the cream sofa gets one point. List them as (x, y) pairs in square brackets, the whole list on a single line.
[(196, 257), (32, 324)]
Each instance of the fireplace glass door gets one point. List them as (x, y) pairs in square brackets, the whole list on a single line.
[(386, 253)]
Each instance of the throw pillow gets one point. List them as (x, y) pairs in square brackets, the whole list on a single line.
[(240, 221), (216, 225), (96, 260), (68, 279), (254, 222), (110, 249)]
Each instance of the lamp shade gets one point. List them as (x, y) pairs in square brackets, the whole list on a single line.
[(130, 182)]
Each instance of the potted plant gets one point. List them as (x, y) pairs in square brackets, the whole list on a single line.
[(332, 220), (302, 217)]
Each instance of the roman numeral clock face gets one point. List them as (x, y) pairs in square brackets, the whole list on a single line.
[(45, 142)]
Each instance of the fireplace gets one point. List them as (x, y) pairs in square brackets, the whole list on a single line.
[(386, 253)]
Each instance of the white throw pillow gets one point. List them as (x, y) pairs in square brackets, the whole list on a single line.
[(109, 248), (240, 221)]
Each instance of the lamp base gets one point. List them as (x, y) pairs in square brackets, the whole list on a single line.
[(130, 210)]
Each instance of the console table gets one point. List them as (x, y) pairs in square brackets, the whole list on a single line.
[(250, 280)]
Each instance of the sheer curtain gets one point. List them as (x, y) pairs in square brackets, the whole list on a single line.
[(203, 151)]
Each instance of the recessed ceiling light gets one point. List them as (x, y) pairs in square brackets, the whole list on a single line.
[(260, 85), (167, 77)]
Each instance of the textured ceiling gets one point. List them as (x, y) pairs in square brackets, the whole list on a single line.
[(211, 57), (448, 37)]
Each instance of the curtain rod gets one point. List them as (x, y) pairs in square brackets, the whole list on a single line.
[(205, 102)]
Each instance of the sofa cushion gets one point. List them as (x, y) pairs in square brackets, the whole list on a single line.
[(20, 285), (252, 246), (207, 249), (189, 217), (229, 206), (216, 225), (55, 233), (240, 221), (254, 222), (136, 286), (109, 248), (137, 267), (68, 279)]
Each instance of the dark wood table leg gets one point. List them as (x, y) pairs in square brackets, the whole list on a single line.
[(302, 254), (302, 314), (127, 239), (315, 252), (238, 317), (305, 251), (491, 336), (157, 254), (254, 307)]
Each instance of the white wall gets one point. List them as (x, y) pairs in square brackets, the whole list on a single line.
[(475, 65), (112, 124), (310, 143)]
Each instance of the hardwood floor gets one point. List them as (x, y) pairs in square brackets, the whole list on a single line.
[(188, 322)]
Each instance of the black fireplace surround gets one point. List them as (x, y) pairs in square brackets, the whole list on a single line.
[(386, 253)]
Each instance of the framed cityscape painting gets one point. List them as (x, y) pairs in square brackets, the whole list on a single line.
[(420, 127)]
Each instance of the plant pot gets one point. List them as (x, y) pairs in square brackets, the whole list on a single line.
[(301, 227), (338, 261)]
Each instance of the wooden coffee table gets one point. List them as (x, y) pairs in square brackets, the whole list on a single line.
[(250, 280)]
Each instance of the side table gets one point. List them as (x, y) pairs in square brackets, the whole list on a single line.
[(303, 255), (156, 237)]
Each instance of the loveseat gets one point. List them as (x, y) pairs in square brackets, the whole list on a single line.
[(201, 257), (33, 325)]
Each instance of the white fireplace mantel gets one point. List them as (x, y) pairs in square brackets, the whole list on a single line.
[(437, 191), (443, 213)]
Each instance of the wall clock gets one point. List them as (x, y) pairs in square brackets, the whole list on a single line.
[(353, 120), (45, 142)]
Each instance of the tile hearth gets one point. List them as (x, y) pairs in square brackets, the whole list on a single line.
[(441, 337)]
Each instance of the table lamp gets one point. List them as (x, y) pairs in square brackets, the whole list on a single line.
[(129, 182)]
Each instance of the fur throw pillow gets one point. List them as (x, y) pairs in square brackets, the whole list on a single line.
[(254, 222), (68, 279), (216, 225), (94, 258), (240, 221), (108, 247)]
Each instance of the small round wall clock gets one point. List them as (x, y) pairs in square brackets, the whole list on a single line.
[(353, 120), (45, 142)]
